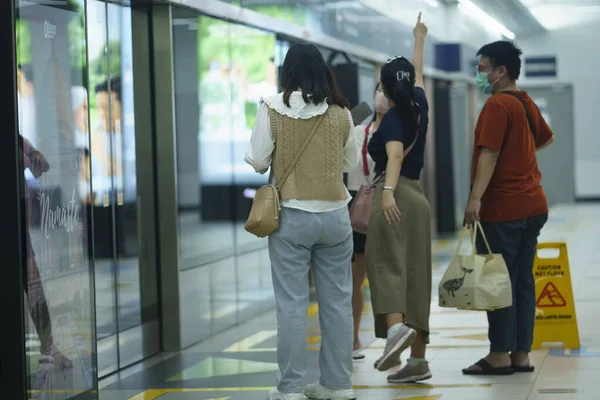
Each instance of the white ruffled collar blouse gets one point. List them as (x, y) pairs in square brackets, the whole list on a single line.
[(299, 109)]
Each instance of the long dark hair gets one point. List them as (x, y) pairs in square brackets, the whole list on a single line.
[(398, 79), (304, 68)]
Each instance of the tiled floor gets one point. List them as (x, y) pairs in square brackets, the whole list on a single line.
[(241, 363)]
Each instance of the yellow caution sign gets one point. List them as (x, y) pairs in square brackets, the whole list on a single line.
[(555, 320)]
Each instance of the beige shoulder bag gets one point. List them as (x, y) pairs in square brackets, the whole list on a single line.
[(264, 215)]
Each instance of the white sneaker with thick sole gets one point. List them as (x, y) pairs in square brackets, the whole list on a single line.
[(317, 392), (395, 345), (275, 394), (358, 354)]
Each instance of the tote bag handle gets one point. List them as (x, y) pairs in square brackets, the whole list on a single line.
[(478, 227), (473, 234)]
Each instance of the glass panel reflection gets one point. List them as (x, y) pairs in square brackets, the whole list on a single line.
[(203, 100), (125, 184), (52, 105), (221, 72), (255, 76), (100, 157), (114, 185)]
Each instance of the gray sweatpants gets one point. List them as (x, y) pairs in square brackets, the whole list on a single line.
[(323, 240)]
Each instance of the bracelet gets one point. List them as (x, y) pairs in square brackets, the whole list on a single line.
[(388, 188)]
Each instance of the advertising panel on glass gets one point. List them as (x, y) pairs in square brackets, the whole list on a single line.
[(52, 102)]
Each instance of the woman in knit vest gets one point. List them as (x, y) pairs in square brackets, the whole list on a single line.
[(314, 228), (398, 251)]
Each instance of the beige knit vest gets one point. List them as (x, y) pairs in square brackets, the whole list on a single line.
[(318, 175)]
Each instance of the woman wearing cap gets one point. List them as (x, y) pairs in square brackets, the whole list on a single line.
[(398, 251)]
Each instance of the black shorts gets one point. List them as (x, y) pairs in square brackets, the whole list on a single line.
[(360, 239)]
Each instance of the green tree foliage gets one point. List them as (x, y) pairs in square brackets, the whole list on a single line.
[(23, 42), (236, 46), (77, 42), (100, 70)]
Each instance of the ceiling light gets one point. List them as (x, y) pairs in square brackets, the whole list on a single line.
[(485, 19), (557, 16)]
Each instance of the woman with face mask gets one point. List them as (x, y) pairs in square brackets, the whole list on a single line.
[(363, 175), (398, 251)]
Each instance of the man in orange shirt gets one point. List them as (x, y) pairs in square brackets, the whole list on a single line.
[(508, 199)]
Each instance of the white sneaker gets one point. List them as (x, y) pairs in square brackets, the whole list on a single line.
[(395, 345), (411, 373), (275, 394), (318, 392), (358, 354)]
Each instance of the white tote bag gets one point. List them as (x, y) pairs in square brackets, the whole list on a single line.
[(475, 282)]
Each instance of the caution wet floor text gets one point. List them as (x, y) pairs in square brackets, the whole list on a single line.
[(556, 320)]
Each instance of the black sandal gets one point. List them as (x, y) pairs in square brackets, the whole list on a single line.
[(488, 369), (523, 368)]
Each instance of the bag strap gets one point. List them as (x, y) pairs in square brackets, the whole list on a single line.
[(472, 229), (529, 121), (416, 137), (365, 151), (478, 227), (529, 118), (461, 239), (299, 154)]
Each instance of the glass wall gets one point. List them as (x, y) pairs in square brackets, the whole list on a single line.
[(54, 141), (114, 196), (221, 72)]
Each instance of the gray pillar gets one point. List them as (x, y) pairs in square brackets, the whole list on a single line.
[(145, 171), (13, 377), (156, 167)]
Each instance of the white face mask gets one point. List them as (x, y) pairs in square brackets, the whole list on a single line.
[(382, 104)]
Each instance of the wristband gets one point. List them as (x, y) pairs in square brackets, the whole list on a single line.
[(388, 188)]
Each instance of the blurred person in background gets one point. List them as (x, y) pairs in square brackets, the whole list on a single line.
[(398, 251), (362, 175), (508, 199), (79, 106), (314, 223)]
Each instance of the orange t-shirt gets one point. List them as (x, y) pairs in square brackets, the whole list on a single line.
[(515, 191)]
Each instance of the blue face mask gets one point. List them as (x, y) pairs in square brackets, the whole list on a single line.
[(482, 82)]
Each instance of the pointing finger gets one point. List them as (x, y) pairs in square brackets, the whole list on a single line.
[(419, 19)]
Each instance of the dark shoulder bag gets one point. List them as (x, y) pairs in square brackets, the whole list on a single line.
[(529, 118)]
